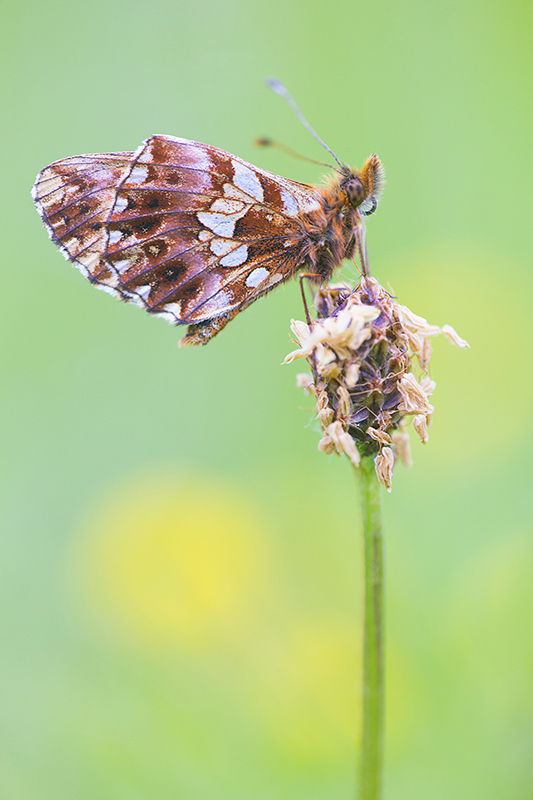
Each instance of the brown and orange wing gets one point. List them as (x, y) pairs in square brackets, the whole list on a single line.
[(187, 231)]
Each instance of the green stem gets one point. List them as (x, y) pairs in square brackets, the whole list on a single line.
[(372, 737)]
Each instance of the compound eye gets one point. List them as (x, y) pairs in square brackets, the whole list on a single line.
[(369, 206), (355, 191)]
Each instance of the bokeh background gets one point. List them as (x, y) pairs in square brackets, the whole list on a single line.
[(180, 567)]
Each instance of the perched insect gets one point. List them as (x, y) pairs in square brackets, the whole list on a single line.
[(194, 234)]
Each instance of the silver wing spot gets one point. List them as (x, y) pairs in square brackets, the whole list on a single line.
[(256, 277), (120, 205), (235, 258), (221, 224), (138, 175), (289, 203), (220, 247), (121, 266), (247, 180)]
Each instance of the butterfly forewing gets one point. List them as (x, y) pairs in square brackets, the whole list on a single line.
[(185, 230)]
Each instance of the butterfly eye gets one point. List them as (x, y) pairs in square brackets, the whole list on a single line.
[(369, 206), (355, 191)]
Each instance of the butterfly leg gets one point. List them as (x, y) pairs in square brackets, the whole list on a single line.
[(308, 275), (360, 243), (308, 319)]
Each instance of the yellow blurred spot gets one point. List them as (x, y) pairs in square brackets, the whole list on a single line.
[(310, 703), (173, 561)]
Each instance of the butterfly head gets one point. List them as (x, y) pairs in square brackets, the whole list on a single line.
[(363, 188)]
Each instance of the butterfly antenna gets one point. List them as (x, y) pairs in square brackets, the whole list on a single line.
[(279, 88), (266, 142)]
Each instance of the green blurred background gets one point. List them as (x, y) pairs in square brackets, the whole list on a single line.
[(180, 567)]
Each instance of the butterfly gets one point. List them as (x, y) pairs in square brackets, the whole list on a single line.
[(194, 234)]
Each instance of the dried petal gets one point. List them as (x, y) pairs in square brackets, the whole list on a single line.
[(453, 336), (427, 385), (344, 401), (425, 354), (379, 436), (351, 375), (420, 426), (414, 399), (417, 328), (326, 416), (322, 401), (327, 445), (290, 357), (300, 330), (326, 361), (345, 332), (411, 321), (350, 449), (324, 411), (305, 381), (416, 343), (384, 463), (343, 442), (335, 431), (401, 446)]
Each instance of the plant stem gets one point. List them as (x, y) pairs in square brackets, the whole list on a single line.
[(372, 737)]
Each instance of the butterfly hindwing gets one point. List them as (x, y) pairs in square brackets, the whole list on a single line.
[(185, 230), (74, 198)]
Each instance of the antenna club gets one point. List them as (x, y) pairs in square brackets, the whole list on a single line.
[(276, 86)]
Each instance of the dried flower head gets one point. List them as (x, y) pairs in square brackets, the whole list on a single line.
[(369, 359)]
